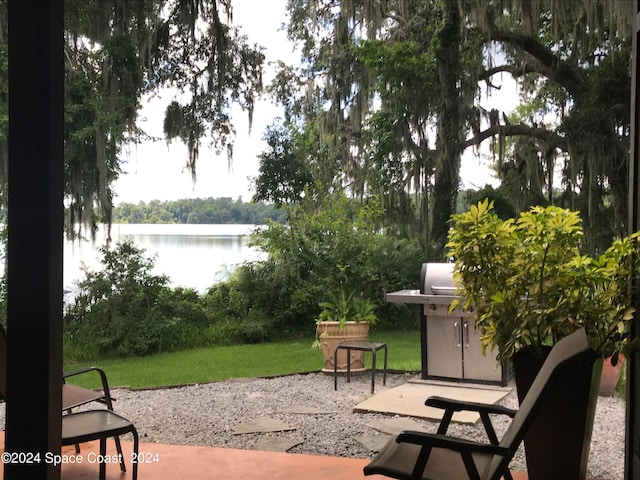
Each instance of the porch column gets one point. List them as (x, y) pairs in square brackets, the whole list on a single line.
[(35, 210), (632, 446)]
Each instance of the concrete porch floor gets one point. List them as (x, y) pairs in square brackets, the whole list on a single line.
[(168, 462)]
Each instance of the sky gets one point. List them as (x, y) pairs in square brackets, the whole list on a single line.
[(155, 170)]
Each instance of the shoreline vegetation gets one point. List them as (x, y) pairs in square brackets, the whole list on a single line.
[(123, 308), (223, 210)]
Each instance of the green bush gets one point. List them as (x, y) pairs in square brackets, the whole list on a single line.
[(255, 328), (124, 309), (186, 305), (531, 285), (335, 247)]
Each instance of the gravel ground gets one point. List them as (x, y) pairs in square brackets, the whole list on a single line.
[(206, 414)]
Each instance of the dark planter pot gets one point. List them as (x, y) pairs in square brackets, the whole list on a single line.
[(557, 444)]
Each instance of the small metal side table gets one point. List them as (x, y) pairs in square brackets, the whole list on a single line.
[(363, 346)]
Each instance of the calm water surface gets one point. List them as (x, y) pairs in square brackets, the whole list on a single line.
[(195, 256)]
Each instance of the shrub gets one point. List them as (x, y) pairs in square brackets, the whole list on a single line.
[(124, 309), (335, 247), (531, 286)]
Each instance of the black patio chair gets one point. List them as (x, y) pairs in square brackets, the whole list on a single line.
[(99, 425), (415, 455), (74, 396), (87, 425)]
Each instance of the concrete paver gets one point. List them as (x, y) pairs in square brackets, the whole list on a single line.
[(408, 399), (395, 425), (262, 425), (306, 410), (271, 444), (373, 443)]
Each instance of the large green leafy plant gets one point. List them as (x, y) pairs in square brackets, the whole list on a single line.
[(531, 286), (345, 307)]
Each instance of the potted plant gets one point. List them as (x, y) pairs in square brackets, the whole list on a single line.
[(345, 315), (530, 286)]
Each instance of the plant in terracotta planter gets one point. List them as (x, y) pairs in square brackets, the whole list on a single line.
[(344, 316), (530, 286)]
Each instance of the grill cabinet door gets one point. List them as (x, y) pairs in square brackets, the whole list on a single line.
[(476, 365), (444, 341)]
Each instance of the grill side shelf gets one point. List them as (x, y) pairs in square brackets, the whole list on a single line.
[(414, 296)]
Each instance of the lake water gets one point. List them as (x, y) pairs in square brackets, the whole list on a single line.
[(195, 256)]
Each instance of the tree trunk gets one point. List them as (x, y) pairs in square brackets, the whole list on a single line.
[(449, 146)]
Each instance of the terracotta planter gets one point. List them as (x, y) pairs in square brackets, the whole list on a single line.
[(330, 335), (558, 441), (610, 376)]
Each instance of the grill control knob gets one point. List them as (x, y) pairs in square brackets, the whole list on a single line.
[(433, 307)]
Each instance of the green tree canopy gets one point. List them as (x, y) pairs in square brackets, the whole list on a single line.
[(571, 61), (118, 51), (393, 90), (284, 173)]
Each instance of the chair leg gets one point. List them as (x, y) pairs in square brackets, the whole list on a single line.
[(123, 467), (384, 374), (421, 462), (134, 470), (488, 427), (444, 423), (103, 454), (335, 369), (77, 445), (373, 370), (470, 465)]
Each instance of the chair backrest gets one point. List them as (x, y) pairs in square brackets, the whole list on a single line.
[(570, 351)]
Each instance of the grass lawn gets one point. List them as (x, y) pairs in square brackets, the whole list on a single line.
[(220, 363)]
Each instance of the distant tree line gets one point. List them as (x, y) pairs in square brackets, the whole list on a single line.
[(198, 210)]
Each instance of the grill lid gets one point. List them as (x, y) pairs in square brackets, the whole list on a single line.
[(436, 288), (437, 279)]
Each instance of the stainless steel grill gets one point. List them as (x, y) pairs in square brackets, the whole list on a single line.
[(450, 348)]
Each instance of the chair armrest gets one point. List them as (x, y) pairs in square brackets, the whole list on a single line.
[(103, 379), (484, 409), (85, 370), (450, 443), (461, 405)]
